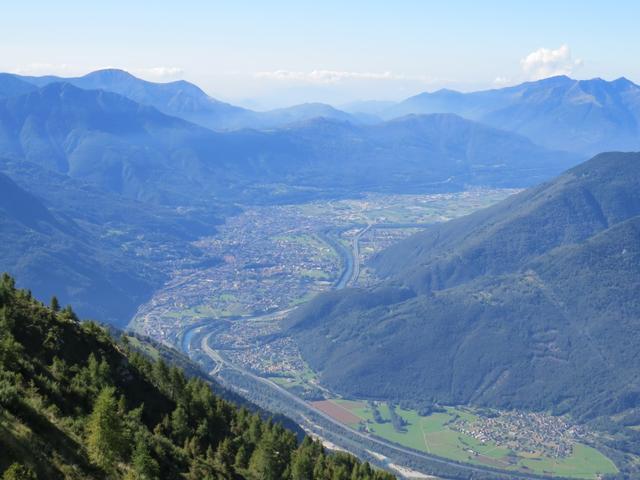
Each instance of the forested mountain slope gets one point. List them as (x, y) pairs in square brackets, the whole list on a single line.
[(532, 303), (77, 404)]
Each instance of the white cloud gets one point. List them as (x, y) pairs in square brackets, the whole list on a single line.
[(160, 72), (66, 70), (501, 81), (333, 76), (37, 69), (545, 62)]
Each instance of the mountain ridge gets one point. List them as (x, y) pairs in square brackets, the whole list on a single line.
[(528, 304), (186, 100), (585, 116)]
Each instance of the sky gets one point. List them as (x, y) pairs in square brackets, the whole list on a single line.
[(265, 54)]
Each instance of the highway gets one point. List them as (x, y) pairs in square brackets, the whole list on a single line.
[(351, 258), (355, 253)]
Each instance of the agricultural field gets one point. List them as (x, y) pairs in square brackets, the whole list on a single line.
[(438, 434), (396, 208)]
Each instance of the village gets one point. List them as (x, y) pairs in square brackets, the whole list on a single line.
[(534, 433)]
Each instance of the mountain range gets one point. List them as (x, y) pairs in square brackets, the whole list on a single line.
[(135, 150), (529, 304), (560, 113), (185, 100), (586, 116)]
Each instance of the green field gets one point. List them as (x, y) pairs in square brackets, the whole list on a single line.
[(431, 434)]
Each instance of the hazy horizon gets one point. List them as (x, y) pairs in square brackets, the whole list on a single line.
[(265, 56)]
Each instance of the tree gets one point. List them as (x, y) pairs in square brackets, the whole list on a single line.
[(224, 456), (10, 349), (104, 431), (55, 304), (69, 314), (143, 465), (242, 458), (180, 424), (19, 472), (320, 468), (265, 462), (302, 464)]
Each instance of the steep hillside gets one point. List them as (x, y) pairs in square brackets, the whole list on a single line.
[(51, 251), (103, 253), (530, 304), (75, 403), (586, 116)]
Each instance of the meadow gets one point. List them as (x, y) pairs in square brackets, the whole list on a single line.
[(433, 434)]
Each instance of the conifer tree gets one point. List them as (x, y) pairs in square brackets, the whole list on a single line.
[(264, 462), (242, 458), (224, 457), (104, 431), (144, 466), (55, 305)]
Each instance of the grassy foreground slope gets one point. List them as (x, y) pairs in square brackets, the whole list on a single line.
[(76, 404)]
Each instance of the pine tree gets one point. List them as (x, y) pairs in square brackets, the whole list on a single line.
[(320, 468), (144, 466), (242, 458), (302, 464), (262, 462), (224, 457), (69, 314), (55, 304), (180, 424), (104, 431)]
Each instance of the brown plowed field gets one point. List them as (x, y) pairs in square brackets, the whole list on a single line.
[(341, 414)]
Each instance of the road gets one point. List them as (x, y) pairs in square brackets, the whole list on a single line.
[(355, 252), (351, 257)]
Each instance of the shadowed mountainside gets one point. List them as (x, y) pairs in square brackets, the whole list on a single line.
[(531, 303)]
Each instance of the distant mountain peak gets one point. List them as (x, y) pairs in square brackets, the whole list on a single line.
[(559, 112), (113, 73), (446, 91)]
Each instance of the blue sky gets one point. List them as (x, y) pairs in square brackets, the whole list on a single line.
[(269, 53)]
